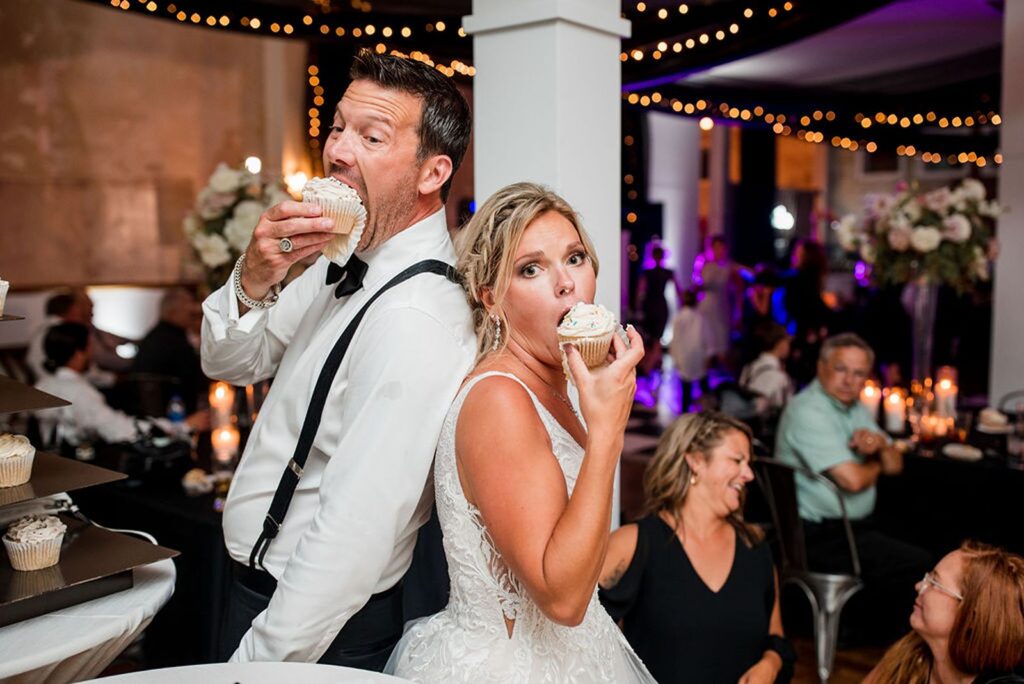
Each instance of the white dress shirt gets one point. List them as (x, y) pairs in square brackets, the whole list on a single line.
[(766, 376), (351, 526), (89, 415)]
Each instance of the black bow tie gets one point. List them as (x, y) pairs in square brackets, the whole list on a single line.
[(351, 276)]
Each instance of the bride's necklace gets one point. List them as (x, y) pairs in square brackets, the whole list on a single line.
[(558, 395)]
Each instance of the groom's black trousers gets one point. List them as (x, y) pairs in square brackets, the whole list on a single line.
[(367, 639)]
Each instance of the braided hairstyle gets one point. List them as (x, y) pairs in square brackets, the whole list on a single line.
[(486, 248)]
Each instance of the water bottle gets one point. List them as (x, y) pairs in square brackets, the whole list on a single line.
[(176, 410)]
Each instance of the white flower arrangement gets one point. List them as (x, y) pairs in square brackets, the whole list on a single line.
[(943, 236), (226, 211)]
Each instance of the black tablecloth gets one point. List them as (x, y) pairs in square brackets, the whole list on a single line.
[(938, 502)]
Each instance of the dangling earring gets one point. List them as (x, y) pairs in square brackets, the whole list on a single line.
[(497, 332), (693, 480)]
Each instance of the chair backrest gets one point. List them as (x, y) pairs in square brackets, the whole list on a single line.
[(1009, 402), (146, 394), (778, 482)]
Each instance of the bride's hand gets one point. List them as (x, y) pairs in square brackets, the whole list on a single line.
[(606, 392)]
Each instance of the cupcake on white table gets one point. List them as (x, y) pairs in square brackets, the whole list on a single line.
[(33, 542), (16, 456)]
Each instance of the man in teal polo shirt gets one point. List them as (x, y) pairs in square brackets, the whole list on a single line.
[(826, 429)]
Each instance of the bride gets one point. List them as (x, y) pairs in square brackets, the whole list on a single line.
[(523, 482)]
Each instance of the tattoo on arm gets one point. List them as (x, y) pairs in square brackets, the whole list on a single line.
[(615, 575)]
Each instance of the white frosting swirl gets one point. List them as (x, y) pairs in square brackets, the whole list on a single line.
[(36, 528), (328, 189), (15, 446), (587, 320)]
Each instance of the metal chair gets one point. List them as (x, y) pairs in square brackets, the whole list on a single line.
[(827, 593)]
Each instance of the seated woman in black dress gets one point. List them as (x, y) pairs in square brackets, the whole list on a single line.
[(691, 582)]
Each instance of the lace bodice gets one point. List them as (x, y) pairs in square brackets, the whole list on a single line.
[(469, 640)]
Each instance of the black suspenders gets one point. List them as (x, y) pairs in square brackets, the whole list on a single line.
[(290, 477)]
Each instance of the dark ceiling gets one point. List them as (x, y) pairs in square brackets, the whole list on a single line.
[(793, 57)]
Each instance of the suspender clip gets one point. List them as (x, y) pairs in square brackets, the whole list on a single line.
[(295, 468)]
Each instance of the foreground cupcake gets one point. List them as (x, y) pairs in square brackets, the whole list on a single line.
[(340, 203), (33, 543), (16, 456), (588, 327)]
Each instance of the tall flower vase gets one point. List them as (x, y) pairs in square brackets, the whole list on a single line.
[(921, 299)]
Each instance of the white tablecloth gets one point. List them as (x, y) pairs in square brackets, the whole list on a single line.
[(76, 643), (252, 673)]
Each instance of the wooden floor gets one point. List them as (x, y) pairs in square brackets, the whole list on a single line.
[(851, 666)]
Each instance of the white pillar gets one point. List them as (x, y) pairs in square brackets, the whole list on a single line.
[(673, 180), (546, 106), (1007, 373)]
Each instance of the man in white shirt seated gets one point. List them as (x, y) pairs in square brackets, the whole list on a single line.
[(321, 545), (766, 374), (68, 350)]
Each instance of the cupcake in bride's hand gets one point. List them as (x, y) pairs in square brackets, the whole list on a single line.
[(589, 328), (341, 204)]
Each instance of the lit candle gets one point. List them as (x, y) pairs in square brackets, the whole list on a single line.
[(895, 411), (222, 402), (945, 398), (871, 397), (225, 444)]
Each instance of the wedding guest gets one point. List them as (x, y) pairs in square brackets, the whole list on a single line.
[(826, 429), (719, 281), (968, 623), (68, 348), (650, 295), (692, 582), (167, 349), (803, 309), (766, 374), (523, 478), (688, 348), (320, 546), (71, 306)]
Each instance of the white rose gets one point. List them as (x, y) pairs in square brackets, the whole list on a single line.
[(925, 239), (938, 200), (213, 249), (879, 204), (238, 233), (848, 232), (957, 228), (212, 204), (972, 189), (225, 179), (988, 208), (912, 210), (899, 238), (867, 253)]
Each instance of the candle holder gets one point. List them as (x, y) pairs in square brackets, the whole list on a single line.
[(222, 404), (894, 407), (871, 398)]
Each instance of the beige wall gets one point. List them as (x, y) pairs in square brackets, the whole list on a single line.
[(111, 123)]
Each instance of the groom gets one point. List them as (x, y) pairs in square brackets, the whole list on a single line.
[(320, 544)]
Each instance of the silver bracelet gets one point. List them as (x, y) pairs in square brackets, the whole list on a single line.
[(265, 303)]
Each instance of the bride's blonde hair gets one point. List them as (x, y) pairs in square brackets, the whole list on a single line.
[(487, 244)]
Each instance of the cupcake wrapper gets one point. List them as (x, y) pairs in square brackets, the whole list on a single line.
[(345, 213), (17, 470), (33, 555), (594, 350)]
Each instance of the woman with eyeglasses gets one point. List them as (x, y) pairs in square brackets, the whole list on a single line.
[(968, 623)]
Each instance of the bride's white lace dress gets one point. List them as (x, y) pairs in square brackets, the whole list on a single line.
[(468, 640)]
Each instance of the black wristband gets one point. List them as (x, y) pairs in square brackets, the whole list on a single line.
[(781, 646)]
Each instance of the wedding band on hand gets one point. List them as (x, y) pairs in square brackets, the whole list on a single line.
[(285, 245)]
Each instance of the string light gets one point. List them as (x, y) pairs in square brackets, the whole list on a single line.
[(804, 133)]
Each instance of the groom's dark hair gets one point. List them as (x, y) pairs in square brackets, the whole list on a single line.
[(445, 123)]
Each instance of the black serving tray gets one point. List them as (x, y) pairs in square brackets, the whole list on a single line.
[(52, 474), (94, 562)]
